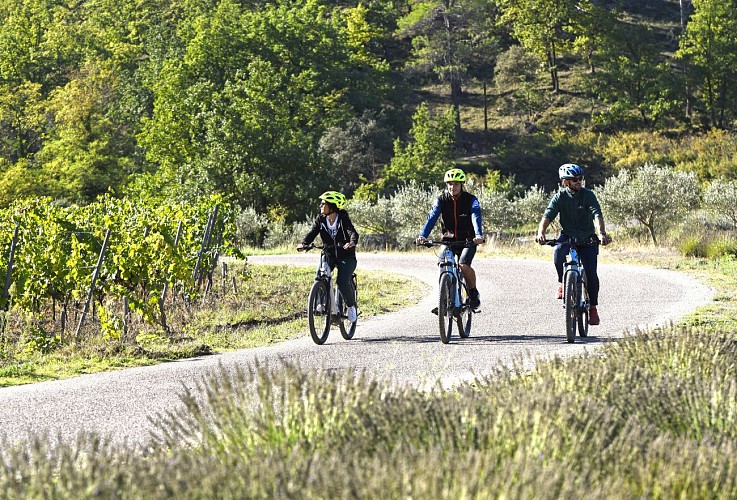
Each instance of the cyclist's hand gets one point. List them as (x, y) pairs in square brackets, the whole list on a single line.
[(478, 240), (348, 245), (540, 238), (420, 241), (300, 247), (605, 239)]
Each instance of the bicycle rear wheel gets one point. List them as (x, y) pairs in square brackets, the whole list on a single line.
[(318, 312), (445, 308), (465, 314), (570, 302), (583, 310), (347, 329)]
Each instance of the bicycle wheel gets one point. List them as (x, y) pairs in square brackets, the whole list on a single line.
[(583, 309), (318, 312), (570, 302), (445, 308), (347, 329), (466, 313)]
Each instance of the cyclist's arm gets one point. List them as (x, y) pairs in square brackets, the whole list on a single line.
[(601, 230), (351, 230), (541, 228), (312, 234), (476, 219), (432, 218)]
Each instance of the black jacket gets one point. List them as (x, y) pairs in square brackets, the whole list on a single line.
[(456, 215), (345, 233)]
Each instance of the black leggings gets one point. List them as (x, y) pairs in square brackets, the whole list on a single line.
[(346, 267)]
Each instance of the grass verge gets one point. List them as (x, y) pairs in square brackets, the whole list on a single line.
[(269, 306)]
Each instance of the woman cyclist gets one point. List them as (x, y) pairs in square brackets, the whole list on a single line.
[(336, 229)]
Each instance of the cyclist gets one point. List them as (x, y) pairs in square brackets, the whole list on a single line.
[(336, 229), (580, 218), (460, 219)]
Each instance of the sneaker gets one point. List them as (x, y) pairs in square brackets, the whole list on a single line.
[(593, 316), (352, 315), (559, 293), (475, 298)]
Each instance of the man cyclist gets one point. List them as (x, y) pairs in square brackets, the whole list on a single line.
[(580, 218), (460, 219)]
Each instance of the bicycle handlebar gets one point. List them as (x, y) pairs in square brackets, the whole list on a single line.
[(309, 247), (468, 243), (572, 242)]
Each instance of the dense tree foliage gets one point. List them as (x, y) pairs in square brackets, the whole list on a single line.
[(268, 103)]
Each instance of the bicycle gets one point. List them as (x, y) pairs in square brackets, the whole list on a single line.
[(575, 292), (454, 303), (325, 305)]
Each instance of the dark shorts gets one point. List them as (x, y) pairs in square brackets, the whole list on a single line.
[(466, 254)]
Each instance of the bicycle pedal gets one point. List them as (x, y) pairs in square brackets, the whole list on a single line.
[(434, 310)]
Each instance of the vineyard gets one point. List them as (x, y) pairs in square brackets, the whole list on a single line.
[(72, 272)]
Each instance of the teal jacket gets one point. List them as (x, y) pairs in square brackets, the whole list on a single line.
[(577, 211)]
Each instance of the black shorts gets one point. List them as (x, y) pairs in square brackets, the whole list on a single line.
[(466, 254)]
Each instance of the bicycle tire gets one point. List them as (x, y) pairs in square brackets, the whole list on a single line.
[(570, 302), (465, 315), (318, 312), (583, 310), (347, 329), (445, 307)]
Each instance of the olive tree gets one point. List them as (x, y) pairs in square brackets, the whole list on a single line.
[(652, 196), (720, 198)]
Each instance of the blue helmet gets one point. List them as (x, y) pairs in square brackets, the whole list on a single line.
[(569, 171)]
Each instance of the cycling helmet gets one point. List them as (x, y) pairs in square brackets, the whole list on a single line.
[(334, 197), (569, 171), (455, 175)]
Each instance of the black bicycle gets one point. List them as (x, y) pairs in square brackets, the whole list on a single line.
[(575, 291), (454, 303), (325, 306)]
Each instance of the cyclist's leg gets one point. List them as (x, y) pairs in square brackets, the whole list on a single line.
[(346, 268), (589, 259), (466, 258), (470, 275), (559, 258)]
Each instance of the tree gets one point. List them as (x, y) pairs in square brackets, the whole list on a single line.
[(515, 78), (653, 196), (710, 47), (426, 157), (720, 198), (359, 149), (540, 27), (448, 37)]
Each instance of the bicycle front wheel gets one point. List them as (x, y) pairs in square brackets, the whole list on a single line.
[(466, 313), (583, 309), (318, 312), (570, 301), (445, 308)]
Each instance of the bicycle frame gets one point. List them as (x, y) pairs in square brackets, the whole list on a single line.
[(575, 294), (326, 301), (453, 300)]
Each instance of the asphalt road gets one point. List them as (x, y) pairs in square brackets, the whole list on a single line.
[(520, 321)]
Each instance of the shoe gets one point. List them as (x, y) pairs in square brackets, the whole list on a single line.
[(352, 315), (475, 298), (559, 293), (593, 316)]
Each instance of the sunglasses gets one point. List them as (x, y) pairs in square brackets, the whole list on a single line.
[(576, 179)]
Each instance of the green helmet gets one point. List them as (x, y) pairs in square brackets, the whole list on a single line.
[(455, 175), (334, 197)]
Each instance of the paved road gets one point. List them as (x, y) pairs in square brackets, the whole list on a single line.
[(520, 320)]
